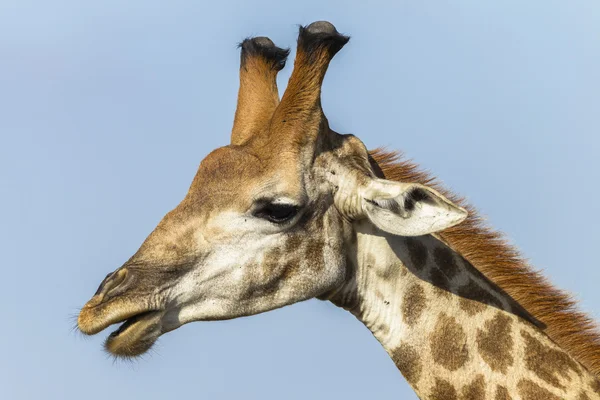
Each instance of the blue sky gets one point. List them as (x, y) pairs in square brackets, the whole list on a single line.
[(107, 108)]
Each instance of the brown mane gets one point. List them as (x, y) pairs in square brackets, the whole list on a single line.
[(488, 251)]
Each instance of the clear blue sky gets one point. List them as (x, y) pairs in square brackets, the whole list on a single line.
[(107, 108)]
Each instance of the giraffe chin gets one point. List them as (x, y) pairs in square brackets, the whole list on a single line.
[(136, 335)]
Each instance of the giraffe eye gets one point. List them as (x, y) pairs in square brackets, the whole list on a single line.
[(277, 213)]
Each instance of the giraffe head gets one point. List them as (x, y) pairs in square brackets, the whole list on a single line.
[(268, 219)]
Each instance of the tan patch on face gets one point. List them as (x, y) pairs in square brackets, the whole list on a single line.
[(475, 390), (293, 243), (443, 390), (495, 343), (271, 263), (290, 268), (314, 254), (408, 362), (413, 304), (272, 270), (502, 393), (448, 343), (532, 391), (475, 298), (417, 253), (285, 261), (278, 265), (547, 363)]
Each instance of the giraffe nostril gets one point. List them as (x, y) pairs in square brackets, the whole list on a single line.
[(111, 282)]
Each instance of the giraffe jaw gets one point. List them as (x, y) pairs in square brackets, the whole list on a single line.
[(135, 335)]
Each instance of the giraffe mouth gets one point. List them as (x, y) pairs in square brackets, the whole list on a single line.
[(135, 335), (138, 330)]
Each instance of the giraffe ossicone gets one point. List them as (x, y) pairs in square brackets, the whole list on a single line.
[(292, 210)]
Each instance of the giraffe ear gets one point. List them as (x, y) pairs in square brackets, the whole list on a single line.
[(409, 209)]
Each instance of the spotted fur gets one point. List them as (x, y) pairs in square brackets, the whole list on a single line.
[(487, 250)]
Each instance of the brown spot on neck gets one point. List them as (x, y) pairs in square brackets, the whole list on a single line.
[(495, 343), (448, 343), (548, 363), (443, 390), (408, 361), (532, 391), (475, 390), (413, 304), (502, 393)]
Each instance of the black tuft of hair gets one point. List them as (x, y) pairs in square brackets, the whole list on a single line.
[(319, 35), (263, 47), (413, 197)]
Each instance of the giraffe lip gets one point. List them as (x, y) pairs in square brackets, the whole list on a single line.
[(135, 335), (94, 318), (130, 321)]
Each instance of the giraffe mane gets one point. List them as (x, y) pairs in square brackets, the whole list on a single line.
[(488, 251)]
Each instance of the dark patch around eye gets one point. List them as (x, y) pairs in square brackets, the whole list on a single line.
[(414, 196)]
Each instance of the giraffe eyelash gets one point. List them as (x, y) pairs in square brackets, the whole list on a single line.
[(277, 213)]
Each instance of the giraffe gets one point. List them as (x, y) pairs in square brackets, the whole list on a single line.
[(292, 210)]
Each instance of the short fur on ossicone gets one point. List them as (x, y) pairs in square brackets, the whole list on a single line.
[(487, 250)]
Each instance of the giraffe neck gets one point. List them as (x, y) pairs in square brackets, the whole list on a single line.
[(452, 333)]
